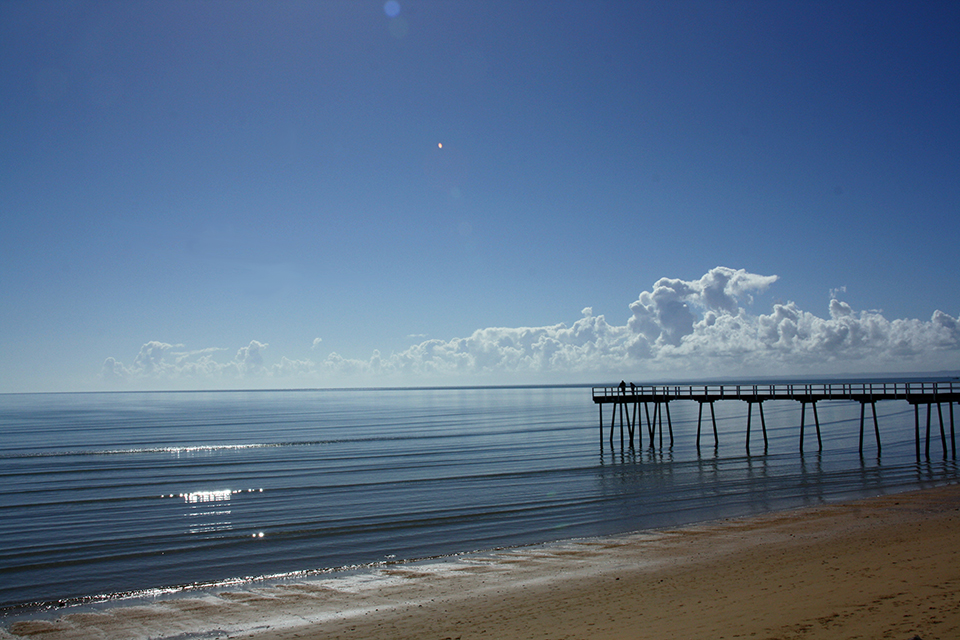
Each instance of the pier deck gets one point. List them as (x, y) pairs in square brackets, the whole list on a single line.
[(625, 397)]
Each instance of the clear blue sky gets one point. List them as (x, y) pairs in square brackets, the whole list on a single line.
[(254, 194)]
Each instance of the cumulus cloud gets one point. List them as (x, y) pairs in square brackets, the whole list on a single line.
[(670, 312), (162, 361), (249, 359), (288, 368), (678, 328)]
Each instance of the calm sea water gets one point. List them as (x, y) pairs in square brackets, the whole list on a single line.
[(106, 495)]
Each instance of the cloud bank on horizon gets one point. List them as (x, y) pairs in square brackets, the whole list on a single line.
[(679, 329)]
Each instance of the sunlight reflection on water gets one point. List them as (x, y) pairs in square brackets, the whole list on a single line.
[(208, 496)]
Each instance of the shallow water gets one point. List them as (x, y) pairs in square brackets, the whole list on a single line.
[(111, 494)]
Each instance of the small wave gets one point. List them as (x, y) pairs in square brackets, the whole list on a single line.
[(12, 611), (172, 449), (213, 448)]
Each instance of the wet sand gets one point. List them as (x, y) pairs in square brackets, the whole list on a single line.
[(887, 567)]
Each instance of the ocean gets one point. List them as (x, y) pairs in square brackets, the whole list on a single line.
[(104, 496)]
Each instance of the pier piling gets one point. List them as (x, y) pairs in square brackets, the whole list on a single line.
[(816, 419), (915, 393), (876, 425), (713, 417), (763, 423)]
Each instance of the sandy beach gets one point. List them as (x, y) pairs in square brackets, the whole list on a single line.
[(886, 567)]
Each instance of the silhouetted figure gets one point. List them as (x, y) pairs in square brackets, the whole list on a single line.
[(623, 387)]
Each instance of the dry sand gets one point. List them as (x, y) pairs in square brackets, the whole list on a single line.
[(887, 567)]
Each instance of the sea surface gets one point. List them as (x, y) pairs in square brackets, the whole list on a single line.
[(108, 495)]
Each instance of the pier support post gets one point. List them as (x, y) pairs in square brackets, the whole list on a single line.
[(863, 406), (749, 415), (700, 417), (816, 418), (953, 438), (763, 424), (625, 409), (716, 440), (669, 422), (943, 435), (803, 414), (658, 416), (651, 427), (916, 427), (713, 418), (613, 420), (622, 406), (876, 425)]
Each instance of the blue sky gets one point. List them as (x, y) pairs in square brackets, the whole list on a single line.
[(298, 194)]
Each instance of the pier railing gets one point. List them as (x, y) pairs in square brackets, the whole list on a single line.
[(915, 391)]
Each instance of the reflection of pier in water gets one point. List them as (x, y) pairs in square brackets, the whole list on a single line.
[(627, 399)]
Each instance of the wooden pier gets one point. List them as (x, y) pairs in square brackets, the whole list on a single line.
[(628, 398)]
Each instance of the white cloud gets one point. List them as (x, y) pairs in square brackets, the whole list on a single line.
[(159, 361), (150, 360), (679, 328), (250, 358), (288, 368)]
